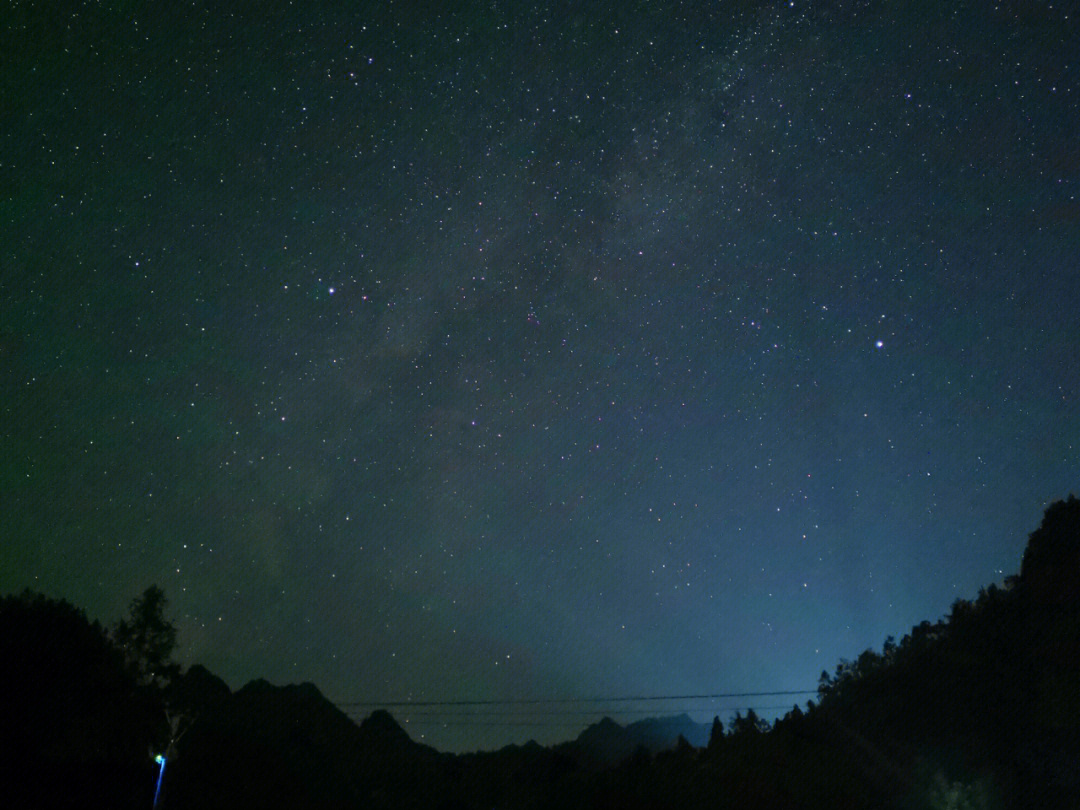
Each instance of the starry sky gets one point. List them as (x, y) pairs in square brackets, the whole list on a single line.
[(514, 350)]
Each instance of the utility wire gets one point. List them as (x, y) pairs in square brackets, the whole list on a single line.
[(540, 701), (467, 720), (467, 713)]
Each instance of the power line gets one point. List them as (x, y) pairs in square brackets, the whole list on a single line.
[(468, 713), (462, 719), (541, 701)]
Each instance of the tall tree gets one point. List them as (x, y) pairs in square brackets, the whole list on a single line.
[(749, 725), (148, 640), (716, 736), (1050, 570)]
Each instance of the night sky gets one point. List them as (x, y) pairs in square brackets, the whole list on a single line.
[(507, 351)]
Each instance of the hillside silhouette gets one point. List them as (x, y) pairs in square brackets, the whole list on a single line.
[(608, 743), (980, 709)]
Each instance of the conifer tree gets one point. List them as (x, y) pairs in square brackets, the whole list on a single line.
[(147, 639)]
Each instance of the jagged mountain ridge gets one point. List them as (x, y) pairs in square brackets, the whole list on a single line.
[(982, 705), (299, 747), (288, 743), (609, 743)]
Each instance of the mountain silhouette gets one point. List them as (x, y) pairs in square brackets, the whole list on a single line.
[(662, 733), (269, 745), (608, 743), (980, 709), (381, 729)]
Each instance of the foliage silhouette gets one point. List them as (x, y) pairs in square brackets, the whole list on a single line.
[(148, 640), (74, 724), (978, 710)]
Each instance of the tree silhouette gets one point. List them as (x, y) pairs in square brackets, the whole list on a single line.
[(750, 724), (716, 736), (147, 639), (70, 709), (1050, 570)]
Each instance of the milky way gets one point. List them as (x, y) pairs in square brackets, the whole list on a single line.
[(504, 353)]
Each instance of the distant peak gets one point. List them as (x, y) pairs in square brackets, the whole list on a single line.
[(381, 716), (382, 723), (257, 685), (309, 690)]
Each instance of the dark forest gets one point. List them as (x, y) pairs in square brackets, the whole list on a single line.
[(980, 709)]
